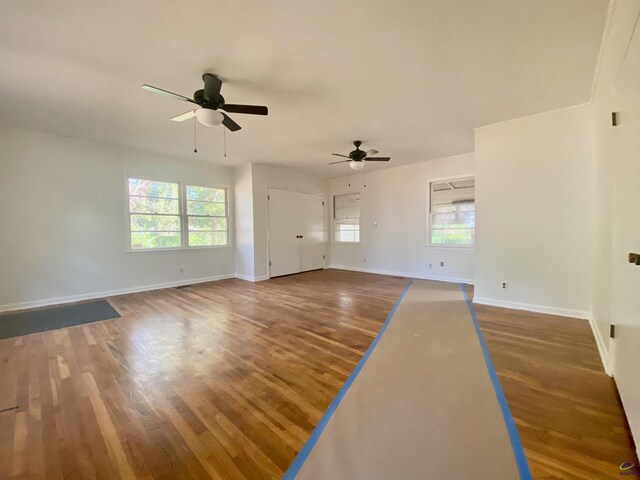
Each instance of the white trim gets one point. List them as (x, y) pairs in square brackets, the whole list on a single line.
[(251, 278), (325, 200), (429, 235), (184, 216), (109, 293), (332, 219), (563, 312), (600, 342), (404, 274)]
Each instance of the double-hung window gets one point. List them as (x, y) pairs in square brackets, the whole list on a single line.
[(207, 218), (346, 218), (165, 215), (452, 212), (154, 214)]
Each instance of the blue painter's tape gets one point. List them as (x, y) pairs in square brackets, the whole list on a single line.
[(516, 446), (295, 466)]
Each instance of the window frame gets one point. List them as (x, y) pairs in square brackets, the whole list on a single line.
[(184, 218), (429, 217), (333, 220)]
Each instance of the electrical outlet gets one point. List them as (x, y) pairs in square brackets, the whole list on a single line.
[(442, 264), (181, 270), (505, 285)]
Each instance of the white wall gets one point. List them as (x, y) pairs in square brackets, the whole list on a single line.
[(265, 177), (616, 295), (393, 222), (243, 189), (534, 190), (63, 232)]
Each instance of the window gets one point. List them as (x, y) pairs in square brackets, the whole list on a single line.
[(159, 218), (154, 214), (453, 212), (346, 218), (207, 216)]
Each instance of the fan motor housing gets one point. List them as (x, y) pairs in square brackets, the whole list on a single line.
[(198, 96), (357, 154)]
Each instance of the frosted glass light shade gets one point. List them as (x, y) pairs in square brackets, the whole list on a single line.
[(208, 117), (356, 165)]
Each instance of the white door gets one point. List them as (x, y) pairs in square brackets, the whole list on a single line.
[(284, 248), (311, 226), (296, 232), (626, 236)]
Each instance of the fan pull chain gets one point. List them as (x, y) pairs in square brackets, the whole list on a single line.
[(195, 138), (224, 138)]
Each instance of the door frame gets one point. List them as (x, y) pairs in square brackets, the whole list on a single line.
[(324, 220)]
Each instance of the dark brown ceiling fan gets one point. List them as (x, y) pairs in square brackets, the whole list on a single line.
[(210, 101), (357, 157)]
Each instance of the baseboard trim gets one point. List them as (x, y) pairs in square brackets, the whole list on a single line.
[(251, 278), (404, 274), (563, 312), (109, 293), (600, 342)]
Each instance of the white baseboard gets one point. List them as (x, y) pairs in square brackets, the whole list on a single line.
[(600, 342), (563, 312), (250, 278), (404, 274), (108, 293)]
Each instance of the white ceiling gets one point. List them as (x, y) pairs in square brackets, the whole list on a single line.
[(411, 79)]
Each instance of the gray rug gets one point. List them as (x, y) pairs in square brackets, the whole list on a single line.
[(43, 320)]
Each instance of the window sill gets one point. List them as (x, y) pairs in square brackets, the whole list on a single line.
[(177, 249)]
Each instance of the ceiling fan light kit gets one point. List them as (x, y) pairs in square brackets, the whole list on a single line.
[(210, 102), (357, 158), (209, 118)]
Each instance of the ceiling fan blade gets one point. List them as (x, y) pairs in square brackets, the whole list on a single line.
[(341, 161), (212, 86), (150, 88), (230, 124), (371, 152), (340, 155), (377, 159), (184, 116), (250, 109)]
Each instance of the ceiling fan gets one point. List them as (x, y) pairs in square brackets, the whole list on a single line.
[(210, 102), (357, 157)]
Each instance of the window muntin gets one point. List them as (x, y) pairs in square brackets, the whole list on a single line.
[(452, 212), (207, 218), (346, 218), (154, 214), (162, 215)]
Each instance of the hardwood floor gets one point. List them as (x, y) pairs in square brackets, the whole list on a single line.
[(566, 409), (227, 380)]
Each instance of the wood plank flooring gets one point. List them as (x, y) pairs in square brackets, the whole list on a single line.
[(227, 380), (566, 409)]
